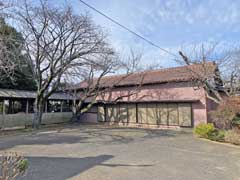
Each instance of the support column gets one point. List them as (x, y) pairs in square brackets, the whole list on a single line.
[(4, 108), (4, 113), (61, 106), (74, 102), (46, 103), (27, 107)]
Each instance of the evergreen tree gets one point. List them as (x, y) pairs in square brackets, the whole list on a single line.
[(22, 76)]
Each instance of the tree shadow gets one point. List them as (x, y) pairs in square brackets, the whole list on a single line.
[(46, 139), (127, 165), (77, 135), (86, 134), (156, 133), (49, 168)]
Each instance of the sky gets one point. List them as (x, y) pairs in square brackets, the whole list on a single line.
[(171, 24)]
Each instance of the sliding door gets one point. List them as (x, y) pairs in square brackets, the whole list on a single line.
[(185, 114)]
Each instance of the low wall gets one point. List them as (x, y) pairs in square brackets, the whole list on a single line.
[(22, 119)]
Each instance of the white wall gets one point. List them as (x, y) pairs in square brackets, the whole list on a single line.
[(22, 119)]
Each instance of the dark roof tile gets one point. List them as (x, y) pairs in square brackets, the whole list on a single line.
[(176, 74)]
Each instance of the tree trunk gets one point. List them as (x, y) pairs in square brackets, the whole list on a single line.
[(74, 108), (38, 111), (74, 112)]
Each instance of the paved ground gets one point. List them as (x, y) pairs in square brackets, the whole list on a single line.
[(89, 152)]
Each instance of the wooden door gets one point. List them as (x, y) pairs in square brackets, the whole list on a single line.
[(163, 113), (152, 113), (112, 113), (142, 113), (132, 113), (123, 113), (101, 114), (173, 114), (185, 114)]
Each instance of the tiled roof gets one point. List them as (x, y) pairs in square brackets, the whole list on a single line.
[(12, 93), (176, 74)]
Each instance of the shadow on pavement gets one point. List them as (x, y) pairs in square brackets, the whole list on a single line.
[(85, 134), (40, 140), (59, 168)]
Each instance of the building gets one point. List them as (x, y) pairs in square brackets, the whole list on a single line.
[(16, 108), (165, 97)]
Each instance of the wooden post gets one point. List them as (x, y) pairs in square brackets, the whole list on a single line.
[(61, 106), (74, 102), (10, 107), (4, 108), (46, 108), (27, 107), (136, 113)]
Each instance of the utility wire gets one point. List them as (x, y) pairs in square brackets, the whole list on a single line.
[(129, 30)]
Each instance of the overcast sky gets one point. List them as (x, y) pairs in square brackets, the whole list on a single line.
[(170, 24)]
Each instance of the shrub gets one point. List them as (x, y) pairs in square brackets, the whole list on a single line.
[(236, 120), (22, 165), (12, 166), (225, 112), (203, 130), (217, 135), (208, 131), (232, 137)]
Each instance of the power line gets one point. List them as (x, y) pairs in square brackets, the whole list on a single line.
[(129, 30)]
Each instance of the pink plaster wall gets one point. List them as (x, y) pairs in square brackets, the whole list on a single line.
[(164, 92)]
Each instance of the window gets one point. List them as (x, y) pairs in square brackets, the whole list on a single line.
[(19, 106), (31, 106), (54, 106), (15, 106)]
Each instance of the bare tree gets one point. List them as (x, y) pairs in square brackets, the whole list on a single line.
[(4, 5), (90, 82), (59, 44), (96, 85), (132, 63), (209, 78), (231, 73)]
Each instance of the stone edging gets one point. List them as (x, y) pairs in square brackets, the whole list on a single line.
[(221, 143)]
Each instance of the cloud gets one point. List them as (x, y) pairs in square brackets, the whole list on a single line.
[(168, 23)]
